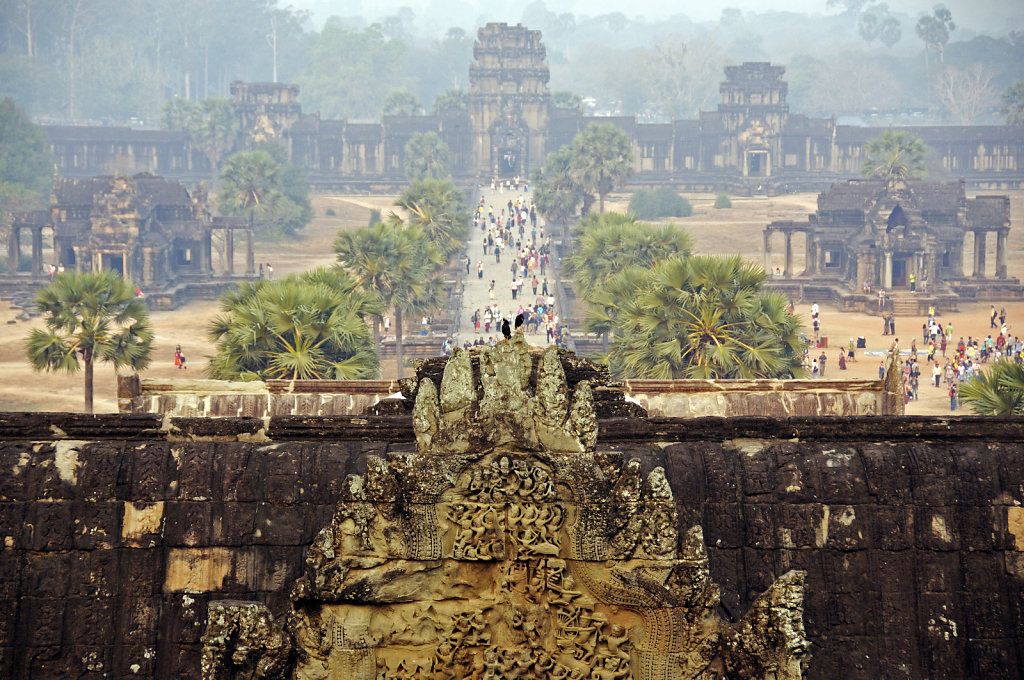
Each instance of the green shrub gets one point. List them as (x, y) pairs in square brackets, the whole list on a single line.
[(330, 212), (649, 204), (723, 201), (374, 216)]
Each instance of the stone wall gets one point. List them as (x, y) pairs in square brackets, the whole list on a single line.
[(118, 530), (670, 398)]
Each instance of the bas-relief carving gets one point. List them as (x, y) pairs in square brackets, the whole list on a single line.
[(504, 547)]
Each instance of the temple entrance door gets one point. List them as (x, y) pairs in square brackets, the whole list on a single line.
[(114, 263), (508, 163), (899, 273), (757, 163)]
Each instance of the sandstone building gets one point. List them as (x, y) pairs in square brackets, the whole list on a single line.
[(150, 229), (868, 232), (751, 143)]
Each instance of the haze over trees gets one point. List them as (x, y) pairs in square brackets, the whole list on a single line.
[(106, 61), (26, 167), (263, 186)]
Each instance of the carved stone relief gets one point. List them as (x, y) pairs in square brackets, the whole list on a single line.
[(505, 548)]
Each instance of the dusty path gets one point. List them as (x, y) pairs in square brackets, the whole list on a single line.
[(476, 295)]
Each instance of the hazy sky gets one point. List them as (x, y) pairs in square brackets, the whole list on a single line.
[(999, 15)]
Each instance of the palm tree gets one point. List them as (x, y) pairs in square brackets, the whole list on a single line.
[(602, 159), (399, 264), (426, 157), (556, 194), (894, 157), (701, 317), (299, 328), (439, 208), (999, 391), (88, 317), (606, 245)]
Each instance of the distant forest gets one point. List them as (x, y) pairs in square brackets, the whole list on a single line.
[(118, 63)]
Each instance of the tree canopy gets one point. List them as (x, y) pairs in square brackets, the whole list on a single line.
[(426, 157), (895, 157), (601, 159), (439, 208), (26, 165), (264, 187), (556, 193), (302, 327), (996, 391), (398, 264), (1013, 104), (89, 317), (698, 317), (211, 124)]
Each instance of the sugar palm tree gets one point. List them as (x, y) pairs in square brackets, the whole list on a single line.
[(894, 157), (702, 317), (299, 328), (606, 245), (399, 264), (89, 317), (439, 208), (602, 159), (426, 157), (998, 391)]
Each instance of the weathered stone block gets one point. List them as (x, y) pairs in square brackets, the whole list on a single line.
[(148, 470), (49, 526), (93, 573), (140, 571), (194, 467), (90, 620), (850, 527), (759, 523), (800, 525), (138, 619), (723, 525), (886, 474), (95, 525), (935, 528), (46, 574), (893, 527), (232, 524), (187, 523), (42, 620), (12, 525)]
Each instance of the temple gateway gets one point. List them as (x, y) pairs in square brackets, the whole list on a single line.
[(751, 143), (868, 235)]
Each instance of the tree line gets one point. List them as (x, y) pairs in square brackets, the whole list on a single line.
[(105, 61)]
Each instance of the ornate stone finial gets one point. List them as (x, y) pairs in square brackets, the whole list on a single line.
[(505, 404)]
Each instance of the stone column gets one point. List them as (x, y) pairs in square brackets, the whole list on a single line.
[(887, 276), (979, 254), (147, 266), (1001, 253), (811, 257), (229, 250), (250, 257), (768, 252), (13, 250), (788, 271), (37, 251), (224, 254)]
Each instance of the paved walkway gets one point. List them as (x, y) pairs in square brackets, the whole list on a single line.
[(475, 294)]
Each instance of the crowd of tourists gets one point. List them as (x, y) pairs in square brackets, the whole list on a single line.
[(962, 359)]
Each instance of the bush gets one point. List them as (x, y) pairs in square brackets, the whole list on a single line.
[(649, 204), (723, 201), (330, 212), (374, 216)]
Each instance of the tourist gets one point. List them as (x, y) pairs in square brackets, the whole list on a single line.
[(467, 261), (821, 364), (270, 271), (849, 351), (881, 370), (913, 283), (936, 373), (952, 396), (177, 356), (881, 298), (842, 361), (479, 269), (992, 318)]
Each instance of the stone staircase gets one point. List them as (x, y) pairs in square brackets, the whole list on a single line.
[(905, 304)]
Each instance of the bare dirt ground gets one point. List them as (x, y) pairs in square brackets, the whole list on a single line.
[(737, 230)]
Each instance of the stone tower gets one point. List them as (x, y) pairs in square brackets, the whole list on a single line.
[(754, 113), (508, 100)]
